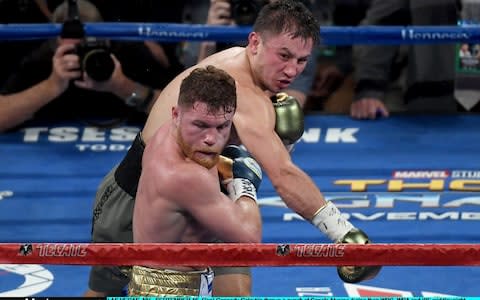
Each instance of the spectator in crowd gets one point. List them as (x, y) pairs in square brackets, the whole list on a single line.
[(332, 88), (430, 69), (11, 51), (149, 11), (65, 92)]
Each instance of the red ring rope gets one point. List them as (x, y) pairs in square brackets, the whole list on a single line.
[(242, 254)]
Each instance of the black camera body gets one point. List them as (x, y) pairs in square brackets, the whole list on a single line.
[(244, 12), (95, 59)]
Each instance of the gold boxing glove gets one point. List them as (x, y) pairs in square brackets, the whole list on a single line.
[(352, 274), (289, 124)]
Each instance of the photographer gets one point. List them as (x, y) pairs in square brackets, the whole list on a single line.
[(128, 79), (229, 13)]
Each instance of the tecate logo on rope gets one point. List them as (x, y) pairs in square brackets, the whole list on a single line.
[(53, 250)]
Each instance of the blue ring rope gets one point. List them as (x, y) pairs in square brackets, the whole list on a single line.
[(330, 35)]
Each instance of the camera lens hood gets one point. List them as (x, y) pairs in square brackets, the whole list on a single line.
[(98, 64)]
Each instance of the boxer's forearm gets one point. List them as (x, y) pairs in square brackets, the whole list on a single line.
[(301, 194), (298, 191)]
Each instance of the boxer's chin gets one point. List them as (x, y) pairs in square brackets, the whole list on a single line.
[(207, 160), (206, 157)]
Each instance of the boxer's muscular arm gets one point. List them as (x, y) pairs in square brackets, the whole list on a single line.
[(211, 208), (256, 124), (293, 185), (255, 127)]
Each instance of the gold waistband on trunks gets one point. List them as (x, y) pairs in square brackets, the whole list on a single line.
[(161, 282)]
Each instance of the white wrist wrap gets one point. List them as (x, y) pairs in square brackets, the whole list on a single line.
[(238, 187), (331, 222)]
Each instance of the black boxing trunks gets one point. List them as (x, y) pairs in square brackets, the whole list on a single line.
[(112, 216), (129, 170), (162, 282)]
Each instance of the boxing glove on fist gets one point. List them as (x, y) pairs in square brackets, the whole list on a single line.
[(289, 123), (353, 274), (240, 173), (331, 222)]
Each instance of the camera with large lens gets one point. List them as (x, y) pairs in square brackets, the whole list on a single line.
[(244, 12), (95, 59)]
